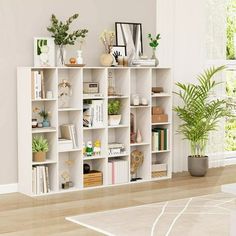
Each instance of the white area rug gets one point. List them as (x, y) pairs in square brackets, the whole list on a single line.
[(199, 216)]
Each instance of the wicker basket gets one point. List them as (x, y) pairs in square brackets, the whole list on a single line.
[(157, 174), (93, 178)]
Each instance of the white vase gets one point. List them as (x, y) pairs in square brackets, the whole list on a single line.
[(139, 137), (79, 59), (155, 57), (61, 55)]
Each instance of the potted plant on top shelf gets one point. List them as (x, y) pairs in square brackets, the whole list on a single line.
[(62, 37), (114, 116), (200, 114), (39, 149)]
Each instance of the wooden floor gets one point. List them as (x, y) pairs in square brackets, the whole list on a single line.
[(22, 216)]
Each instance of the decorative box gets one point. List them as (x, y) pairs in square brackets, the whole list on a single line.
[(159, 118), (93, 178), (90, 87), (157, 110)]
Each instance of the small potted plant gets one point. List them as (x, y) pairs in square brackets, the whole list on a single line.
[(39, 148), (114, 116), (62, 36), (44, 114), (200, 114), (153, 44)]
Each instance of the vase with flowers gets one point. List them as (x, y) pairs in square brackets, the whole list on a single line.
[(45, 114), (62, 36), (107, 38), (153, 44)]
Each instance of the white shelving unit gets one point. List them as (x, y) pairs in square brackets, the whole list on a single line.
[(128, 81)]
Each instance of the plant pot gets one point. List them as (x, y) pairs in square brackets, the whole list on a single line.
[(114, 120), (39, 156), (46, 123), (155, 57), (106, 60), (198, 166)]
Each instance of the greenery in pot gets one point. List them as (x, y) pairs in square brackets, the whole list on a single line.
[(62, 36), (44, 114), (154, 41), (200, 112), (114, 107), (39, 144)]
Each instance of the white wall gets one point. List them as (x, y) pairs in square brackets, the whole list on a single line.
[(189, 58), (21, 20)]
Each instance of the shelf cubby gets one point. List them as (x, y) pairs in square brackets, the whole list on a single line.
[(74, 77), (71, 163)]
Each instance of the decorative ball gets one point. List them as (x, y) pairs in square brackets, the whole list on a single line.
[(86, 168), (72, 60)]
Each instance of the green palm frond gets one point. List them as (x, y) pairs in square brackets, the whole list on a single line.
[(200, 113)]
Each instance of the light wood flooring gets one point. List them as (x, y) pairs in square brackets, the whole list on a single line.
[(22, 216)]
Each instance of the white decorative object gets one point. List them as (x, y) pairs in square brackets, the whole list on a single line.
[(49, 94), (79, 58), (114, 120), (144, 101), (61, 55), (139, 138), (135, 99), (64, 93), (44, 52)]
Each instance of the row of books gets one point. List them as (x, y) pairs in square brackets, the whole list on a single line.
[(68, 133), (93, 113), (37, 85), (118, 171), (160, 139), (143, 62), (40, 180)]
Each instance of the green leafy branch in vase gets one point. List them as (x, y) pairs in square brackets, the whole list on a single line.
[(154, 41)]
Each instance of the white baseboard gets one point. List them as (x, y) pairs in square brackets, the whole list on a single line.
[(8, 188)]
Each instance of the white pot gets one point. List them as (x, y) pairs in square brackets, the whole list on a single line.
[(114, 120)]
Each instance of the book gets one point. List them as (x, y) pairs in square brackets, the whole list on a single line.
[(34, 188), (68, 132), (43, 94)]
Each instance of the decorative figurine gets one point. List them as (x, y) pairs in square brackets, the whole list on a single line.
[(64, 93), (66, 179), (89, 149), (137, 158), (97, 148)]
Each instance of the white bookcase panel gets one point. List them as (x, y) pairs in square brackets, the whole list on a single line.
[(127, 82)]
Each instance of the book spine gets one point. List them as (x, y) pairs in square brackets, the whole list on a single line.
[(38, 179), (44, 179), (47, 179), (42, 85)]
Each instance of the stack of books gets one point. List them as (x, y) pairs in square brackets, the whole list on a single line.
[(68, 133), (143, 62), (160, 137), (118, 171), (116, 148), (37, 85), (40, 180), (93, 114)]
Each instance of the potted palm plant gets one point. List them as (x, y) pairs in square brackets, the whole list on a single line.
[(39, 149), (114, 116), (200, 113)]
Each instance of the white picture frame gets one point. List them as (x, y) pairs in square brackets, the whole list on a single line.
[(44, 52)]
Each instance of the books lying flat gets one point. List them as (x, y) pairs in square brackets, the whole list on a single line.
[(65, 145), (144, 62), (160, 139), (40, 180), (118, 171), (68, 132)]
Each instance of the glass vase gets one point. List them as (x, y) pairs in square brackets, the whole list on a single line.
[(61, 55), (155, 57)]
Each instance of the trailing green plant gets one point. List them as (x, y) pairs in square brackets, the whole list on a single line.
[(60, 31), (39, 144), (200, 112), (114, 107), (154, 40)]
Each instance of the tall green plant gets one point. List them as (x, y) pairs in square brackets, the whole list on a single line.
[(199, 112)]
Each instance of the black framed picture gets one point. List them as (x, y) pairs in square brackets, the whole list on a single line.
[(118, 50)]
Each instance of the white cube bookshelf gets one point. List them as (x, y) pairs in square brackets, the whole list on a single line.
[(127, 81)]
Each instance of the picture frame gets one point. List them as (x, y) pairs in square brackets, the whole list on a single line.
[(44, 52), (118, 50), (130, 35)]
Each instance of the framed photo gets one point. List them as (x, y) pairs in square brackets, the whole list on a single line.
[(117, 51), (44, 52)]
